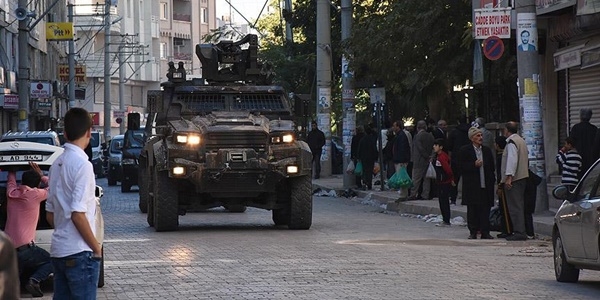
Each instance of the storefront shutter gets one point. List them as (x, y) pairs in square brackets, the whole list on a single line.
[(584, 92)]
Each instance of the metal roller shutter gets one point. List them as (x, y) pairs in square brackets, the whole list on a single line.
[(584, 92)]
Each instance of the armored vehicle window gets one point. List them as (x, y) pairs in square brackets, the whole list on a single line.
[(202, 103), (258, 102), (134, 139)]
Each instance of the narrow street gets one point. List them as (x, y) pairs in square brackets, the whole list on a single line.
[(352, 251)]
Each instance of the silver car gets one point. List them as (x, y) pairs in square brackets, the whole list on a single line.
[(16, 156), (576, 232)]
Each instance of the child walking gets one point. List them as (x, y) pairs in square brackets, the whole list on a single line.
[(444, 180), (570, 162)]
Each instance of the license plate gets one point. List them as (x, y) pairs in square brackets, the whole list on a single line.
[(25, 157)]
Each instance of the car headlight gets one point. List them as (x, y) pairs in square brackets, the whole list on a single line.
[(128, 161), (189, 139), (282, 138)]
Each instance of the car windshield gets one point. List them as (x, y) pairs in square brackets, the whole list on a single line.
[(134, 138), (41, 140), (95, 140), (113, 146)]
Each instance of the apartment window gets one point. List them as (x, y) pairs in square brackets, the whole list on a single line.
[(204, 14), (164, 10), (129, 8), (163, 50)]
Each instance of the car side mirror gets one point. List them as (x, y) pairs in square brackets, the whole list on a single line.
[(99, 192), (119, 145), (562, 192)]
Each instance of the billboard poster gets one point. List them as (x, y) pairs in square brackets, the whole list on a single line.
[(324, 99), (527, 37)]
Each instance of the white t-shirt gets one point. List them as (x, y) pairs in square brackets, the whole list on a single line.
[(71, 189)]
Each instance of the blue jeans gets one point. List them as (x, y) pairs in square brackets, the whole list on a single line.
[(36, 262), (76, 276)]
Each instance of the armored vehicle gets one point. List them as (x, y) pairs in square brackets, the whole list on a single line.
[(227, 139)]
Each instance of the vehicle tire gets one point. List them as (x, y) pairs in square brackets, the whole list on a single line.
[(111, 182), (236, 208), (564, 271), (300, 203), (125, 187), (150, 211), (166, 216), (101, 277), (144, 187), (281, 217)]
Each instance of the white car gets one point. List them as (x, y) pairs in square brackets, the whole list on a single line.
[(16, 155)]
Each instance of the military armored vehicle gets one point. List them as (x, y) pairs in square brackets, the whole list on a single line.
[(227, 139)]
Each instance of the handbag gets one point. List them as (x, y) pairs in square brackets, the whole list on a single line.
[(358, 169), (350, 167), (431, 174)]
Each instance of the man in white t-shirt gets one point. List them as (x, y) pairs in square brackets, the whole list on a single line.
[(71, 206)]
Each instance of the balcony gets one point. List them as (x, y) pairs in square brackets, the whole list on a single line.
[(182, 17), (182, 29), (178, 56)]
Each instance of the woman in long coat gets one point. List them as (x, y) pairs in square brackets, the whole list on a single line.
[(478, 197)]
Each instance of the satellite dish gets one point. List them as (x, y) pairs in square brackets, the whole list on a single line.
[(21, 14)]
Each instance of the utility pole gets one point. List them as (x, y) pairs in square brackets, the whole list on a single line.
[(349, 113), (71, 58), (107, 102), (529, 95), (324, 80), (24, 63), (288, 27), (121, 89)]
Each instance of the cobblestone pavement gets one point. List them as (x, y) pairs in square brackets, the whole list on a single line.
[(352, 251)]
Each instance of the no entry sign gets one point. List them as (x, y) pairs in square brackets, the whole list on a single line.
[(493, 48)]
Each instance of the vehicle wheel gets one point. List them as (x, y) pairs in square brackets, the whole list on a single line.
[(166, 217), (111, 182), (125, 187), (564, 271), (236, 208), (101, 278), (281, 217), (300, 203), (144, 185)]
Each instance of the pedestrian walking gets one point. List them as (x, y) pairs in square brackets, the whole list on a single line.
[(477, 168), (444, 180), (316, 141), (440, 132), (23, 211), (421, 155), (583, 134), (367, 155), (515, 171), (500, 144), (457, 138), (71, 209), (570, 162), (400, 154)]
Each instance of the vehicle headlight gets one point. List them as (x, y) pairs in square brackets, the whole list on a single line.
[(190, 139), (128, 161), (282, 138)]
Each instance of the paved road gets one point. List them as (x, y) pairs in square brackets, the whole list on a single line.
[(353, 251)]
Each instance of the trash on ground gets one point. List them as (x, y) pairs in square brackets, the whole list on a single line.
[(322, 193)]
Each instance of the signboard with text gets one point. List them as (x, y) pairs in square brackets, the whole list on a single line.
[(492, 22), (59, 31), (80, 75), (40, 90), (11, 101)]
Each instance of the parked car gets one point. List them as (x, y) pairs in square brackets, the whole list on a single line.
[(97, 142), (48, 137), (16, 155), (133, 143), (576, 231), (114, 154)]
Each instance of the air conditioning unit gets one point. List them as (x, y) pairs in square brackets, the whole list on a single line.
[(178, 42)]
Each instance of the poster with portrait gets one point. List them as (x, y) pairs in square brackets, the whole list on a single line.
[(346, 72), (324, 99), (527, 37)]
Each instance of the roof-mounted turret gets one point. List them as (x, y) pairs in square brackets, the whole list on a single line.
[(227, 62)]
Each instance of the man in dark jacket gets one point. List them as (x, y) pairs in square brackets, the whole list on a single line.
[(316, 141), (367, 155), (457, 138), (400, 153), (477, 167), (584, 134), (360, 133)]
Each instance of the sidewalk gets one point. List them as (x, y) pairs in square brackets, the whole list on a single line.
[(542, 221)]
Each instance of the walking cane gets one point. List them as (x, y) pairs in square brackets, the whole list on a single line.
[(505, 210)]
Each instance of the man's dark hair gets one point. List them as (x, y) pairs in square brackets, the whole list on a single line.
[(77, 123), (512, 127), (440, 142), (31, 179), (525, 32), (571, 141), (585, 114), (399, 123)]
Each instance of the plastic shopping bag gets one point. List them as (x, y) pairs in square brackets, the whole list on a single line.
[(376, 169), (400, 179), (431, 174), (358, 169), (350, 167)]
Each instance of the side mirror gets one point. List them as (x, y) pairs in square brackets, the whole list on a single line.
[(99, 192), (119, 145), (561, 192)]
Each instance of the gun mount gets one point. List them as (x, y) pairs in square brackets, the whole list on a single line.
[(226, 61)]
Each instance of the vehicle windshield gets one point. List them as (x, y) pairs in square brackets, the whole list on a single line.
[(113, 146), (41, 140), (95, 140), (134, 139)]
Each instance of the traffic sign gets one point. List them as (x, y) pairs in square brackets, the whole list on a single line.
[(493, 48), (377, 95)]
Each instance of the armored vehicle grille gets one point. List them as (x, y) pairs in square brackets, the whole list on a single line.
[(236, 139), (203, 103), (258, 102)]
